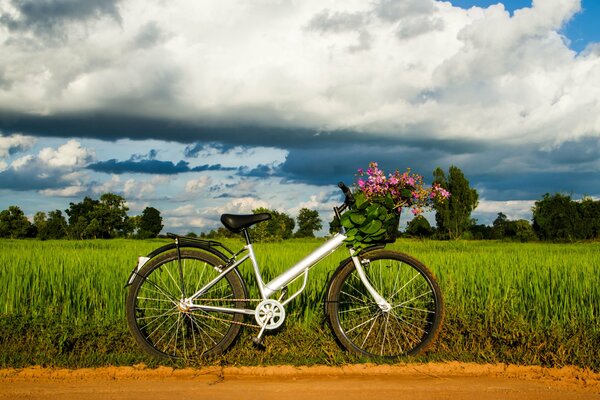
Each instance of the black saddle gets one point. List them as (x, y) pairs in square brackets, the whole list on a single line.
[(235, 223)]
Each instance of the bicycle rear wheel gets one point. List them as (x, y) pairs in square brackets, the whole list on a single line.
[(360, 325), (163, 327)]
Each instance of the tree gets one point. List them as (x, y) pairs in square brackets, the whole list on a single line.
[(110, 213), (56, 225), (419, 227), (500, 226), (150, 223), (589, 211), (308, 222), (80, 215), (13, 223), (556, 218), (453, 217), (39, 221), (93, 230), (279, 227), (523, 230)]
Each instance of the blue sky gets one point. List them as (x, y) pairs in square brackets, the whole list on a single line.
[(200, 108)]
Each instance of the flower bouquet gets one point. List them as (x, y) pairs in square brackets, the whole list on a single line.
[(379, 200)]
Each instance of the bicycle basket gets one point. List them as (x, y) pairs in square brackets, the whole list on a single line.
[(391, 230)]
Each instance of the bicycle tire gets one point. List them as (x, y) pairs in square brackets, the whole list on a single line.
[(162, 328), (359, 324)]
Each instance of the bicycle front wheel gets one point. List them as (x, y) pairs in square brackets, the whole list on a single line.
[(161, 323), (362, 327)]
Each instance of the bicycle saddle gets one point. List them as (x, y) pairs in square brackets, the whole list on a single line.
[(235, 223)]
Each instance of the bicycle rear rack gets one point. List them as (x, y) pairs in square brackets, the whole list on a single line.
[(180, 239)]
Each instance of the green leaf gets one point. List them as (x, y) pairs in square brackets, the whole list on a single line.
[(352, 232), (371, 227), (360, 201), (357, 219)]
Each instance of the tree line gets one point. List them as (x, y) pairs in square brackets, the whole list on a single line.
[(555, 218), (279, 227), (103, 218)]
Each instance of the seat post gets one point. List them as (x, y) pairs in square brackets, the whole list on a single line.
[(246, 236)]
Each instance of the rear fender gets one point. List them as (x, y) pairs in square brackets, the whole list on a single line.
[(143, 260)]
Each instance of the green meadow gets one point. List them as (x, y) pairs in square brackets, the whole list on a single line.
[(62, 303)]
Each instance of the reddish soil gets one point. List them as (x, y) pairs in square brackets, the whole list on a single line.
[(407, 381)]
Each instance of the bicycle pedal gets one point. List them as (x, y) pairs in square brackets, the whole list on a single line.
[(258, 342)]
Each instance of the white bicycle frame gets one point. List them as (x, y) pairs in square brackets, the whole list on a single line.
[(280, 282)]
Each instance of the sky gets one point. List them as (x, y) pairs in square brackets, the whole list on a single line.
[(201, 108)]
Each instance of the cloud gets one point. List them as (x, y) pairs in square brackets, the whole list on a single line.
[(51, 17), (197, 185), (513, 209), (15, 143), (340, 21), (69, 191), (198, 149), (57, 170), (478, 74), (409, 83), (70, 154), (152, 167)]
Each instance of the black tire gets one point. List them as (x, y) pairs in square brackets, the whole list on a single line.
[(360, 325), (162, 328)]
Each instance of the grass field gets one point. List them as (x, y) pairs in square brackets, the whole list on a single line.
[(530, 303)]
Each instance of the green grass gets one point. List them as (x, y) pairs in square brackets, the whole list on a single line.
[(62, 303)]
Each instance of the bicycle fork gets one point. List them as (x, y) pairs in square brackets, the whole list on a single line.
[(358, 264)]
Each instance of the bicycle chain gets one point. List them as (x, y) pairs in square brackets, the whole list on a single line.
[(232, 321)]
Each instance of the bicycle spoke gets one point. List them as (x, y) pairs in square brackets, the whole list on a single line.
[(168, 331), (367, 329)]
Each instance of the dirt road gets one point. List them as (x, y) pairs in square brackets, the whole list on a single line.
[(408, 381)]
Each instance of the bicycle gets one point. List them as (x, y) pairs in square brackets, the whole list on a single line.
[(188, 299)]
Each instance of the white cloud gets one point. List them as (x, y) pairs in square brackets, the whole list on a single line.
[(69, 191), (15, 143), (70, 154), (242, 205), (197, 185), (112, 185), (182, 211), (513, 209)]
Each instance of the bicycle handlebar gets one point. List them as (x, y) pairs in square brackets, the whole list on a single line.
[(349, 197)]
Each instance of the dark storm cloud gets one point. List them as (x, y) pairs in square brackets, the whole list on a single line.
[(110, 127), (324, 158), (528, 186), (329, 165), (152, 167), (48, 17), (586, 150)]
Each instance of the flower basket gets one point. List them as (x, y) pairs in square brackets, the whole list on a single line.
[(374, 217), (370, 222)]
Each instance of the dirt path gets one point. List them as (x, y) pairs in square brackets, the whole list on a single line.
[(408, 381)]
